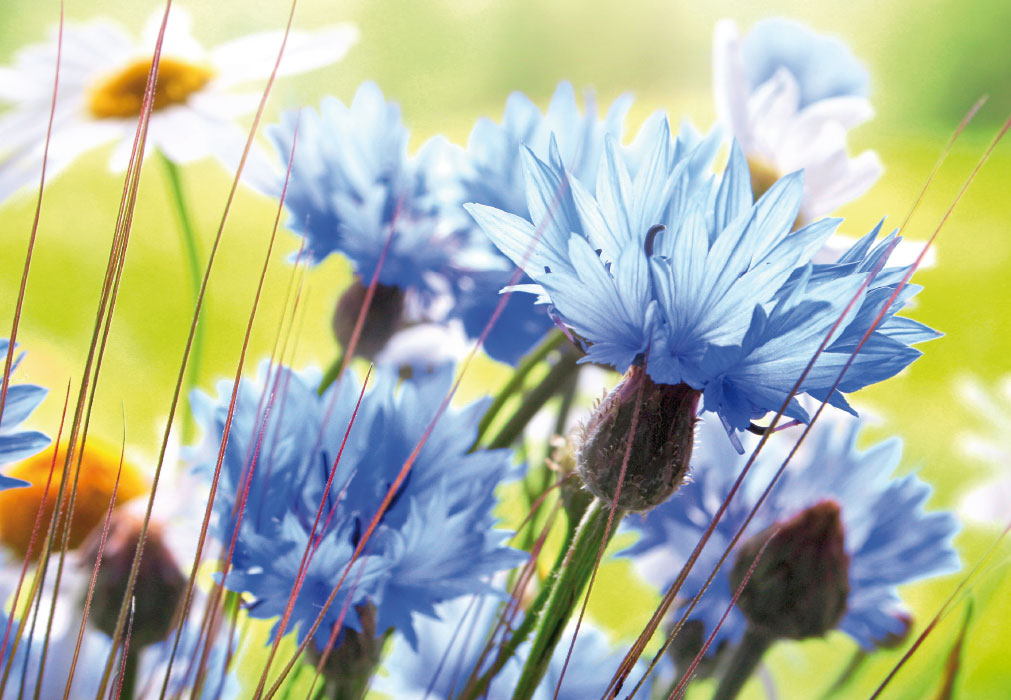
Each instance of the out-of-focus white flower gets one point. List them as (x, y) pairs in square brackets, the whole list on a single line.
[(103, 73), (990, 502), (789, 96)]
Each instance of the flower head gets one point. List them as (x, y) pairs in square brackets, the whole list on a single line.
[(353, 186), (435, 542), (492, 174), (103, 74), (789, 96), (15, 443), (888, 537), (690, 277)]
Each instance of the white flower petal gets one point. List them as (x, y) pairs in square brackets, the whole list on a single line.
[(181, 134), (847, 111), (730, 86), (859, 175), (252, 57), (66, 145), (179, 41)]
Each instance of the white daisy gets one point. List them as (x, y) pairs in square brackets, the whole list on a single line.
[(103, 73), (989, 502), (789, 96)]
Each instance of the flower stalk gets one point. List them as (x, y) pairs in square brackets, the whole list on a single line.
[(191, 248), (566, 590)]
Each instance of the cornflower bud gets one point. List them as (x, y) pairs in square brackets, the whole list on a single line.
[(661, 442), (159, 585), (382, 319), (575, 499), (351, 663), (800, 585)]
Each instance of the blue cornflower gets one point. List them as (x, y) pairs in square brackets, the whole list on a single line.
[(889, 538), (17, 444), (492, 174), (455, 639), (352, 181), (434, 543), (823, 66), (714, 288)]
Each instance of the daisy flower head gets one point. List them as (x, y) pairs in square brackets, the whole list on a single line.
[(689, 278), (16, 443), (789, 96), (887, 537), (455, 638), (103, 74), (435, 542), (100, 473), (989, 502)]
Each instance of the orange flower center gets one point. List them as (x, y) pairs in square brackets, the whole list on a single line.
[(122, 94), (97, 478)]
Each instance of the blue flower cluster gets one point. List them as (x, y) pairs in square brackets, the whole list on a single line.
[(709, 288), (889, 538), (352, 182), (16, 443), (455, 639), (435, 542)]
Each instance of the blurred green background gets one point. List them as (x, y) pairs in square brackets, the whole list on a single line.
[(448, 63)]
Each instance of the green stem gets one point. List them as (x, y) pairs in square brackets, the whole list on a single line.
[(535, 400), (848, 674), (515, 383), (566, 591), (127, 689), (192, 251), (331, 374), (743, 662), (477, 688), (568, 397)]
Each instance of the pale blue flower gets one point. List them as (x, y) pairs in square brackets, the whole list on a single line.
[(492, 174), (436, 541), (352, 182), (687, 274)]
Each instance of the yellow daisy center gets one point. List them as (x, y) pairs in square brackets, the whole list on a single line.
[(763, 177), (19, 506), (122, 94)]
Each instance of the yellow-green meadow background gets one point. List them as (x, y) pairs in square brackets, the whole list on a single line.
[(448, 63)]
